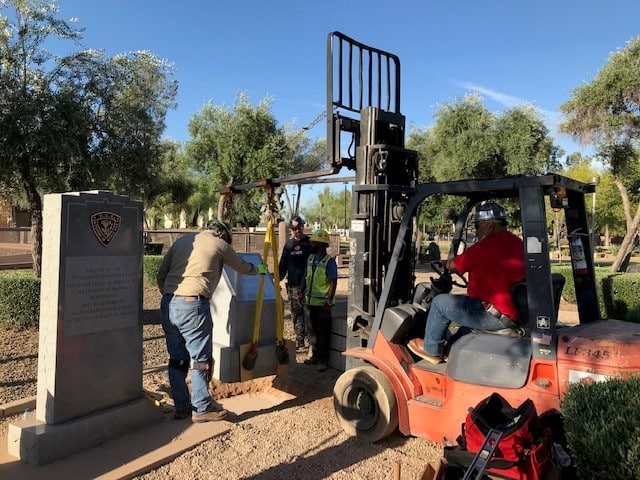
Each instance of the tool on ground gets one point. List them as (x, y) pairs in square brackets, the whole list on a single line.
[(481, 460), (154, 397)]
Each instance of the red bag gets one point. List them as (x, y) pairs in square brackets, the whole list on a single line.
[(523, 452)]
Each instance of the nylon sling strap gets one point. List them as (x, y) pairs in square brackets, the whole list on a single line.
[(269, 246)]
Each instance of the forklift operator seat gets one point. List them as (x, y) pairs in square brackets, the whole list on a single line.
[(519, 297)]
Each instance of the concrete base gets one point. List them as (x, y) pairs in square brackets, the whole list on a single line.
[(227, 362), (37, 443), (139, 452)]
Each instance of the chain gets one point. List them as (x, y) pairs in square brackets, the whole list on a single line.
[(314, 122)]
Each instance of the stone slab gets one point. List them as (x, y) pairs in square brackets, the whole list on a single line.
[(39, 443), (90, 334)]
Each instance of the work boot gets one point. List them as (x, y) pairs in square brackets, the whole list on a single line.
[(415, 345), (182, 413), (212, 416)]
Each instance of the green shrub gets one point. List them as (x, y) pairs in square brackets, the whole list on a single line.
[(150, 267), (20, 305), (617, 292), (569, 291), (602, 424)]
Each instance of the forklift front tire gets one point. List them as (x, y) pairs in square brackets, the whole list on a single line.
[(365, 403)]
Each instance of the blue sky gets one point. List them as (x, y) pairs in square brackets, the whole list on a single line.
[(511, 52)]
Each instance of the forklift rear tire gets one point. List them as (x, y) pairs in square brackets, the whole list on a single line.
[(365, 403)]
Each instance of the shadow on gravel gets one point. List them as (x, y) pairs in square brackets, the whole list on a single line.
[(18, 359), (327, 461), (18, 383)]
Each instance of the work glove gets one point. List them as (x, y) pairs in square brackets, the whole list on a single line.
[(262, 269)]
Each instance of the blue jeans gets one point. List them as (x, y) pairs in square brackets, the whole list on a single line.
[(188, 330), (461, 309)]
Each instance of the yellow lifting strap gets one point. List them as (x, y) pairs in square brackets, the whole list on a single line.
[(270, 245)]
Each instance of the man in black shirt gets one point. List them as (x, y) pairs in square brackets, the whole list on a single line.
[(293, 264)]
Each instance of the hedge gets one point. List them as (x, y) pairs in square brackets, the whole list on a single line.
[(617, 292), (20, 291), (602, 425), (20, 306), (150, 265)]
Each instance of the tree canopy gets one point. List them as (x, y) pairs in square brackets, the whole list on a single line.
[(469, 141), (239, 146), (332, 208), (80, 121), (605, 112)]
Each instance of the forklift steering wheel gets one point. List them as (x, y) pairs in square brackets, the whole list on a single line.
[(443, 272)]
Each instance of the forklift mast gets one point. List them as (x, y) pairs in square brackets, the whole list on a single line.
[(366, 80)]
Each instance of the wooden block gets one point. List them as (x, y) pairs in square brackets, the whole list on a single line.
[(433, 471)]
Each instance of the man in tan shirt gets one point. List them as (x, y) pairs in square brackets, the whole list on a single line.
[(187, 278)]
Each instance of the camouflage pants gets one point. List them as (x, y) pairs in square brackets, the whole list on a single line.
[(297, 312)]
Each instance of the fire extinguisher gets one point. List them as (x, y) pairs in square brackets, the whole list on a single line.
[(578, 258)]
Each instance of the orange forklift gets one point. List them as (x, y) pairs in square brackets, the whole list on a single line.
[(388, 387), (384, 385)]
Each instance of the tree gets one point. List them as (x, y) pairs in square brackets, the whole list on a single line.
[(524, 143), (80, 121), (609, 214), (461, 144), (176, 188), (468, 141), (308, 156), (606, 112), (237, 147), (330, 209)]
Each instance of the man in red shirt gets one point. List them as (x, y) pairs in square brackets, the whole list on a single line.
[(494, 263)]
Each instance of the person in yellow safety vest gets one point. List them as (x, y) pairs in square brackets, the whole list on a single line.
[(319, 286)]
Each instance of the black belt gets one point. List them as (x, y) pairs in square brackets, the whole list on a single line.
[(505, 319), (189, 298)]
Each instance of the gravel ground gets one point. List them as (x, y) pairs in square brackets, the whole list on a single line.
[(301, 438)]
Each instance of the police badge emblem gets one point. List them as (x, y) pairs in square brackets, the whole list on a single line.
[(105, 226)]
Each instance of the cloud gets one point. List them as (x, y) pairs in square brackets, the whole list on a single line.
[(552, 118), (501, 98)]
